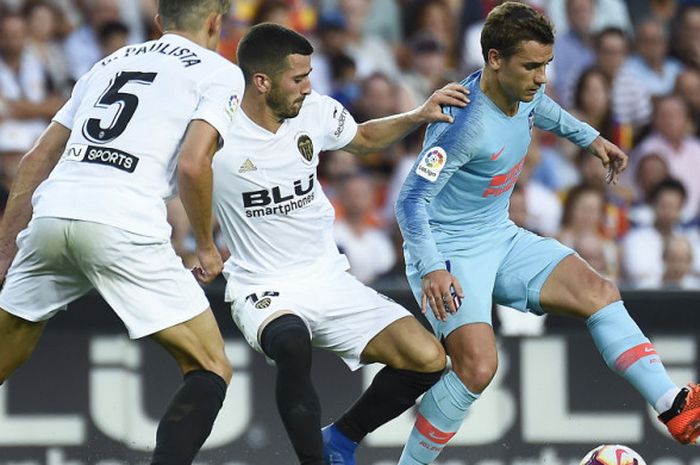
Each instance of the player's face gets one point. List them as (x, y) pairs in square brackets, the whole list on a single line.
[(290, 88), (522, 74)]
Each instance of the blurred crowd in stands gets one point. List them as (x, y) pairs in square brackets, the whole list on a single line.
[(629, 68)]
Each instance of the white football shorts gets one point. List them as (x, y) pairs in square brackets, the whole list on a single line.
[(341, 313), (141, 278)]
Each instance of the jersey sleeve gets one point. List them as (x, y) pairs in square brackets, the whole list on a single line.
[(339, 125), (447, 148), (220, 98), (66, 115), (552, 117)]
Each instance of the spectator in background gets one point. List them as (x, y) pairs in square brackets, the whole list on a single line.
[(584, 215), (383, 18), (592, 103), (650, 170), (44, 23), (662, 11), (686, 45), (436, 17), (651, 64), (368, 249), (573, 49), (333, 167), (631, 102), (608, 13), (112, 36), (370, 52), (345, 85), (331, 39), (617, 197), (595, 250), (671, 138), (688, 87), (427, 70), (543, 206), (26, 104), (380, 96), (643, 247), (82, 45), (678, 262)]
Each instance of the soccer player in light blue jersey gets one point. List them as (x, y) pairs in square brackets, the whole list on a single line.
[(463, 252)]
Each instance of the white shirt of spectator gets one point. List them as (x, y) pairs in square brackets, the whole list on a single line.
[(370, 254), (29, 84), (273, 213), (119, 167)]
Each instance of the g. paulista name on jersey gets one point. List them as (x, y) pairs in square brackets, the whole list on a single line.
[(278, 199), (501, 183)]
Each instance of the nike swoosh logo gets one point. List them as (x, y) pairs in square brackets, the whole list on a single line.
[(439, 436), (649, 349), (498, 154)]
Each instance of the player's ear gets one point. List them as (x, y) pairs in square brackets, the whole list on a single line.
[(159, 23), (494, 57), (262, 82)]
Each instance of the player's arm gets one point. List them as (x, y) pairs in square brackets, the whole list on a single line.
[(550, 116), (380, 133), (207, 128), (195, 181), (424, 182), (34, 167)]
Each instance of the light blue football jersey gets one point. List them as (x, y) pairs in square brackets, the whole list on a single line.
[(457, 193)]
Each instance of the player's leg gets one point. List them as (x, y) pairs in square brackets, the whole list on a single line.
[(145, 283), (472, 348), (40, 282), (414, 362), (574, 288), (470, 342), (275, 321), (18, 338), (198, 349), (287, 341)]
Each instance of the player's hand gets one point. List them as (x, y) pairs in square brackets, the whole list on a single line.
[(613, 158), (210, 264), (452, 94), (442, 292)]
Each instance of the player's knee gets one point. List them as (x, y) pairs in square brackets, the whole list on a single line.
[(477, 375), (431, 358), (215, 362), (603, 292), (286, 338), (222, 367)]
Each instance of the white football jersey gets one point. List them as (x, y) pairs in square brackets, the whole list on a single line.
[(272, 210), (127, 117)]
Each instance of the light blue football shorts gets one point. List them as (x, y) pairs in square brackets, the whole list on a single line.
[(510, 271)]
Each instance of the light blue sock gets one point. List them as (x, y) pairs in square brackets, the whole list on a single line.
[(440, 415), (627, 351)]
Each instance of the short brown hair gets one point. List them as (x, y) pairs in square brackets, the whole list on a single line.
[(188, 15), (265, 48), (511, 23)]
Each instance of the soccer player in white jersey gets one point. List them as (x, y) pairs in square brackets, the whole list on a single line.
[(288, 285), (94, 187)]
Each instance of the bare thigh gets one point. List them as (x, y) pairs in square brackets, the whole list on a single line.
[(197, 344), (406, 345), (575, 289), (18, 338)]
